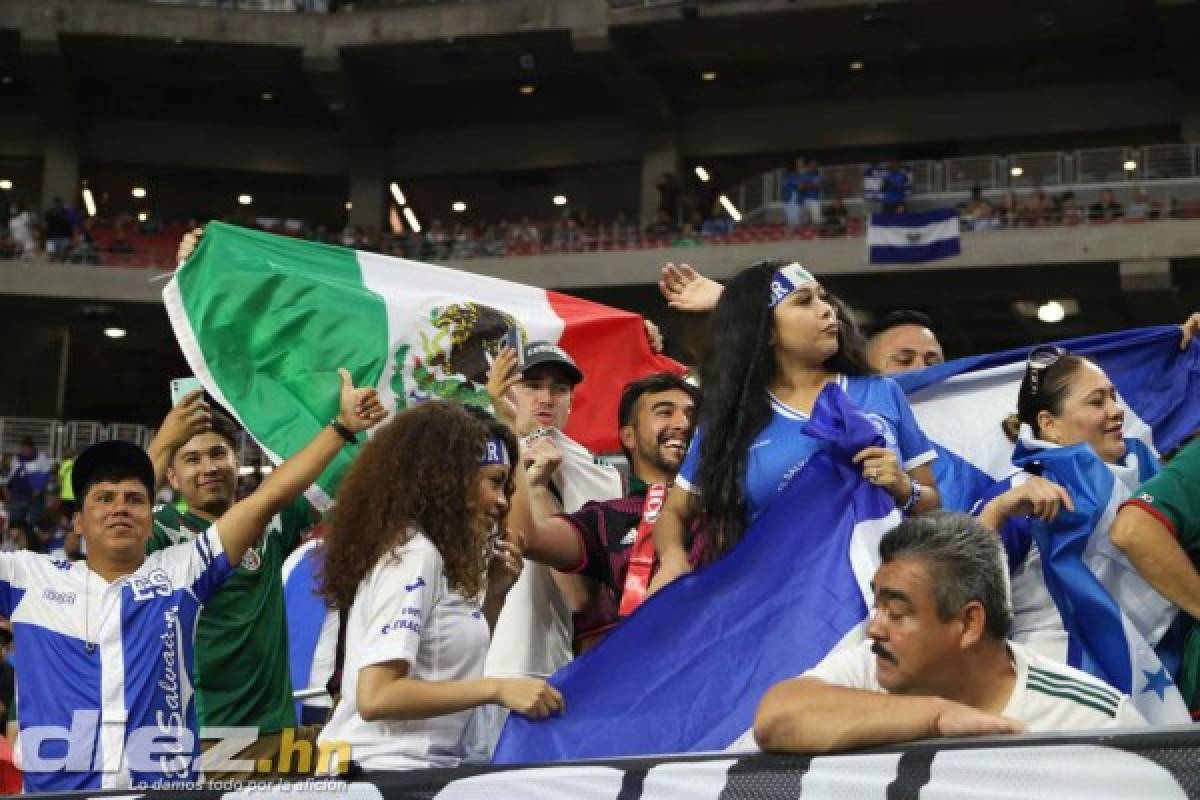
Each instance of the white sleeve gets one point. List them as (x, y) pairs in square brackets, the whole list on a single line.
[(399, 598), (201, 564), (17, 573), (851, 667)]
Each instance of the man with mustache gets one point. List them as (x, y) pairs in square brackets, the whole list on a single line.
[(655, 418), (935, 661)]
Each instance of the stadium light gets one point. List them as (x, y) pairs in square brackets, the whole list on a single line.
[(138, 191), (708, 75), (115, 333), (458, 206), (143, 216), (730, 208), (527, 89), (1130, 165), (349, 205), (1051, 311), (5, 184), (856, 65), (398, 195), (560, 200), (413, 225), (89, 202), (245, 199), (267, 97), (702, 174), (1016, 172)]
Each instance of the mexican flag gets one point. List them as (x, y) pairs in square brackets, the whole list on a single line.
[(265, 321)]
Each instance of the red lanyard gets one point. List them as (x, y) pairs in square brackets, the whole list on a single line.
[(641, 556)]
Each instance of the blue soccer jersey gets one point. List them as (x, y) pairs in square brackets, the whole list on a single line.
[(104, 670), (783, 447)]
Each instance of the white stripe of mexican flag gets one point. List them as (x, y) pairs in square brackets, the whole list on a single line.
[(265, 321)]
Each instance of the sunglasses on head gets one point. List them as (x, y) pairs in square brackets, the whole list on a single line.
[(1040, 359)]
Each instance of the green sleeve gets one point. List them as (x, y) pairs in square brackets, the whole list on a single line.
[(1173, 495), (158, 537), (297, 517)]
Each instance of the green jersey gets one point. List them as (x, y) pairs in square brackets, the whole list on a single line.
[(242, 677), (1173, 498)]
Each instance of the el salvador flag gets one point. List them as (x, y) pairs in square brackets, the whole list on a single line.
[(1113, 618), (312, 627), (913, 238), (686, 672), (961, 404)]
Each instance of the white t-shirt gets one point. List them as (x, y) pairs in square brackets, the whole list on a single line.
[(404, 610), (1047, 696)]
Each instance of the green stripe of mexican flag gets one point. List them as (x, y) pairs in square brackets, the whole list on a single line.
[(265, 321)]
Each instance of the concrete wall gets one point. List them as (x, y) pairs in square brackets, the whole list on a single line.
[(1167, 239)]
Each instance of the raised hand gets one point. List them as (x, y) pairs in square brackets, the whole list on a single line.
[(187, 245), (687, 290), (358, 409), (502, 377)]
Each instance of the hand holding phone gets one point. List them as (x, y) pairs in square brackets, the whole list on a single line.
[(514, 339), (182, 387)]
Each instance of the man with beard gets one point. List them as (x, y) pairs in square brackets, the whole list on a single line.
[(242, 678), (656, 417), (935, 661)]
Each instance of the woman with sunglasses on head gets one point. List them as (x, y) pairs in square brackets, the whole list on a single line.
[(777, 339), (415, 558), (1064, 400)]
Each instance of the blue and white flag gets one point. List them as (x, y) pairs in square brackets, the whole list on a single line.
[(1113, 618), (913, 238), (686, 672), (312, 628), (961, 404)]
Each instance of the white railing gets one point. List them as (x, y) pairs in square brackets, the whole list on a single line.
[(53, 437), (1091, 167)]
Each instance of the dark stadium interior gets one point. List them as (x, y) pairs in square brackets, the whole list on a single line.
[(201, 110)]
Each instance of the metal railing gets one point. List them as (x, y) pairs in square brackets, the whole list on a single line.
[(1091, 168), (53, 437)]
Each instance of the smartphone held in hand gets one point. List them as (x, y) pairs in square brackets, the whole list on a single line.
[(182, 387)]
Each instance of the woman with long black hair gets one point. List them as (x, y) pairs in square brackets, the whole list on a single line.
[(416, 557), (776, 339)]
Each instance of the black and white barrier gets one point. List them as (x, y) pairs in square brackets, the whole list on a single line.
[(1163, 764)]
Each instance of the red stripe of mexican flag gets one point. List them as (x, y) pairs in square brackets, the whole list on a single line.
[(265, 321)]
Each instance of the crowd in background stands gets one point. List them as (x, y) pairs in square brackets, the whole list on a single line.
[(683, 218)]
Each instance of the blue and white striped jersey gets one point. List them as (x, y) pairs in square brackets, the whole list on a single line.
[(104, 670)]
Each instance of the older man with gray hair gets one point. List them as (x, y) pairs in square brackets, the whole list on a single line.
[(935, 661)]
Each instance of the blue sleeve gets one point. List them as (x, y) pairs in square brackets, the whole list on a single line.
[(915, 447), (1017, 533), (689, 471)]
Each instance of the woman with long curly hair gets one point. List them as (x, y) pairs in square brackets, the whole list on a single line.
[(776, 339), (415, 557)]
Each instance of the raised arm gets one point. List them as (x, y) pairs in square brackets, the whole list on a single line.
[(670, 533), (191, 417), (684, 289), (808, 715), (242, 524)]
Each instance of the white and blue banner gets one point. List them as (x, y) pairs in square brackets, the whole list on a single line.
[(1113, 618), (312, 628), (961, 404), (686, 672), (912, 238)]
